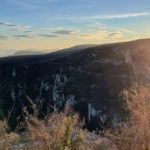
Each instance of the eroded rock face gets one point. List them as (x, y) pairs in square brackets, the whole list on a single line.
[(88, 79)]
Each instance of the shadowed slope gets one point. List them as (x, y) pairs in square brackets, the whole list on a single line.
[(90, 79)]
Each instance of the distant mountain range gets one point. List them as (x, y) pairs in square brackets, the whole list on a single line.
[(8, 53), (28, 52), (90, 78)]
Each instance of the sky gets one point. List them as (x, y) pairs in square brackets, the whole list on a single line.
[(58, 24)]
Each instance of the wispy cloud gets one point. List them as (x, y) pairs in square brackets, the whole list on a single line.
[(53, 28), (128, 15), (148, 8), (27, 31), (114, 16), (20, 30), (102, 35), (65, 32), (113, 34), (3, 37), (19, 36), (48, 35), (7, 24), (84, 35), (128, 31)]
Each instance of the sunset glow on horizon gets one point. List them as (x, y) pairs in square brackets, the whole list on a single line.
[(58, 24)]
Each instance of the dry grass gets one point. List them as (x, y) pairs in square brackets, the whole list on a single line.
[(59, 131), (63, 131), (8, 139), (134, 134), (99, 144)]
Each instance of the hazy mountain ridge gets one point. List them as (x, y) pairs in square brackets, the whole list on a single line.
[(11, 53), (90, 79), (28, 52)]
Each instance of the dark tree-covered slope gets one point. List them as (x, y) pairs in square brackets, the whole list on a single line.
[(90, 79)]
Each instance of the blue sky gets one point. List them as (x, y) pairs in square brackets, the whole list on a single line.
[(56, 24)]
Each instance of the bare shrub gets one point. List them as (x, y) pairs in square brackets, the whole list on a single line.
[(7, 139), (135, 133), (63, 130), (58, 131)]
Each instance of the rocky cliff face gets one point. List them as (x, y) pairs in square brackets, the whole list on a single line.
[(89, 79)]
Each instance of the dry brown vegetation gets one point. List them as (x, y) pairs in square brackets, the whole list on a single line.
[(58, 131), (135, 133), (63, 131)]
